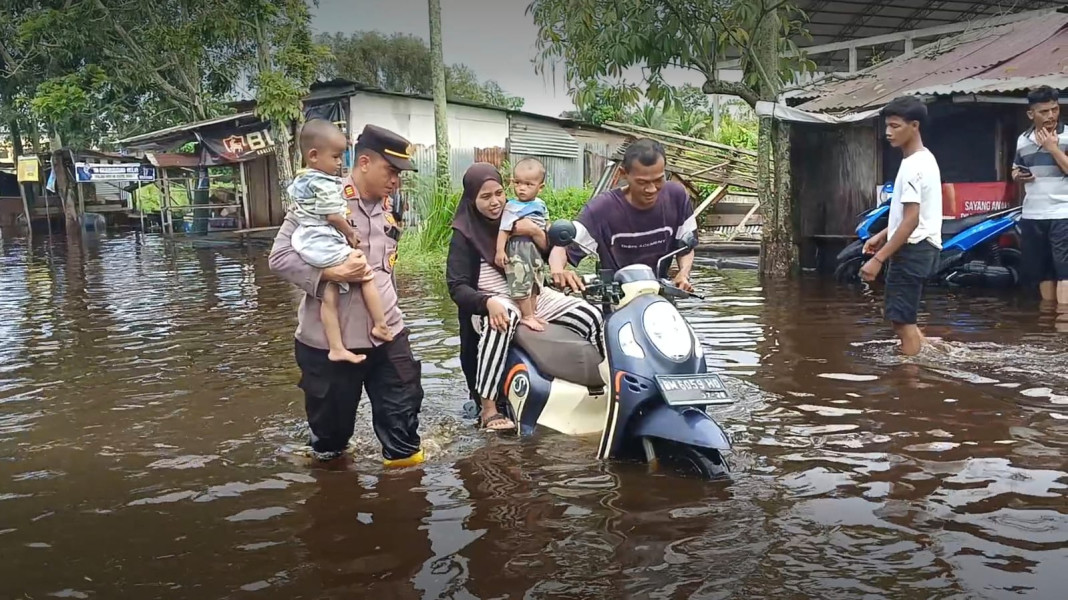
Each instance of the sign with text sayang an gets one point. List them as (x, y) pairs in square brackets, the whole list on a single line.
[(29, 169), (94, 172)]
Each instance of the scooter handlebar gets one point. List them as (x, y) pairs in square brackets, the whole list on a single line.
[(673, 291)]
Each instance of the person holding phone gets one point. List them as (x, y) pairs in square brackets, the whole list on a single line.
[(1041, 165)]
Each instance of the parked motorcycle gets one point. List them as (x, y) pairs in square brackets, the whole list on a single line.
[(869, 223), (647, 399), (980, 250)]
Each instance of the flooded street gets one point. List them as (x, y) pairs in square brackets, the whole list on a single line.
[(151, 446)]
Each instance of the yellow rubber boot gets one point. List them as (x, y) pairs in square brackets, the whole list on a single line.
[(411, 461)]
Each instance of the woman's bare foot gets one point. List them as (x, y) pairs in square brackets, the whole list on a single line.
[(382, 332), (346, 356), (533, 323)]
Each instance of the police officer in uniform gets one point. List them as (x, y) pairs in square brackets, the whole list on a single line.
[(390, 374)]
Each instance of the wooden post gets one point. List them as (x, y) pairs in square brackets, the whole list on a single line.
[(81, 202), (852, 59), (441, 119), (26, 207), (244, 197), (165, 205), (908, 46), (141, 213), (716, 109)]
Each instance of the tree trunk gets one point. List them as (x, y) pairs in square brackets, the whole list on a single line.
[(16, 146), (34, 137), (779, 250), (283, 142), (441, 118), (65, 188), (778, 256)]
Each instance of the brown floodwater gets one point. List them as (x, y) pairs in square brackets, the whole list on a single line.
[(151, 446)]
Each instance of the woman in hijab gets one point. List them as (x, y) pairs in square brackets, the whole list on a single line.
[(488, 318)]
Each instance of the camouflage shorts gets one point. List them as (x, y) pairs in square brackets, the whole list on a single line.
[(526, 268)]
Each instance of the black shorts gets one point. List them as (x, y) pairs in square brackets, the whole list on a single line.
[(906, 275), (1044, 243)]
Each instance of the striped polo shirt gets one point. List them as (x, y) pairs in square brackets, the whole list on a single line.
[(1047, 196)]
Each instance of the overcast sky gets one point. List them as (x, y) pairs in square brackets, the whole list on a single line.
[(493, 37)]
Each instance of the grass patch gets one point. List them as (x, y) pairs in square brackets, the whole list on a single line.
[(423, 249)]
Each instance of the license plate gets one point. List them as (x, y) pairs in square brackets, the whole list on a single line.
[(681, 390)]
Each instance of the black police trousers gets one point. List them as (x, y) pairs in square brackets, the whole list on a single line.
[(332, 391)]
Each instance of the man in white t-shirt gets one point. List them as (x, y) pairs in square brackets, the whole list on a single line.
[(911, 244)]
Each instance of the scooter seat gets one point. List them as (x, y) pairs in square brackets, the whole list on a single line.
[(954, 226), (563, 354)]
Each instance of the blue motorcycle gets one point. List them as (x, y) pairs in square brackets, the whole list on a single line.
[(980, 250), (870, 222)]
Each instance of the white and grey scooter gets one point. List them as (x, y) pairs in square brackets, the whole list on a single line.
[(647, 399)]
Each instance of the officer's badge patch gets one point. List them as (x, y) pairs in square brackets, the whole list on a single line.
[(349, 191)]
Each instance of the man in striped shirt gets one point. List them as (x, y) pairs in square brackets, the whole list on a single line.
[(1041, 164)]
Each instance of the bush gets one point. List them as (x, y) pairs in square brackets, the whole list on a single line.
[(423, 248), (567, 202)]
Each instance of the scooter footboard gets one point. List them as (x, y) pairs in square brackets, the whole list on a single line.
[(856, 248), (948, 260), (686, 425)]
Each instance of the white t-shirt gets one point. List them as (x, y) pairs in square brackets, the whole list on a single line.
[(919, 180)]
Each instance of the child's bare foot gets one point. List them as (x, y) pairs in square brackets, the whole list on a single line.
[(382, 332), (346, 356), (533, 323)]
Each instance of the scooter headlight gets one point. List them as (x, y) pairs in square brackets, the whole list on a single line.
[(628, 344), (667, 330)]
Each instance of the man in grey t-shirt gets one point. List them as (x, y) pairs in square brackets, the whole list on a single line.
[(1041, 164)]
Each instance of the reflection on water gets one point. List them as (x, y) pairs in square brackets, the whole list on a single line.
[(151, 447)]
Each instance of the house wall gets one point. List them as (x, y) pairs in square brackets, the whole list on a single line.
[(264, 195), (964, 139), (975, 145), (834, 172), (836, 169), (413, 118)]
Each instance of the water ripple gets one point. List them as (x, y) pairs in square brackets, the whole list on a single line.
[(149, 389)]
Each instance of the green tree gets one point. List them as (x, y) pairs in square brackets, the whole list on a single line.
[(695, 124), (287, 62), (148, 65), (402, 63), (690, 98), (650, 115), (599, 39), (598, 102)]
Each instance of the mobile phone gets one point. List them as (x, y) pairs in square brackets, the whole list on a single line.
[(1024, 171)]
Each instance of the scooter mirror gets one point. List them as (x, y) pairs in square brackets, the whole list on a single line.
[(688, 241), (562, 233)]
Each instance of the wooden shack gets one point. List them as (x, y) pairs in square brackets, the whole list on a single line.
[(975, 85), (229, 183)]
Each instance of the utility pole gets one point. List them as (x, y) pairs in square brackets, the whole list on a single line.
[(441, 118)]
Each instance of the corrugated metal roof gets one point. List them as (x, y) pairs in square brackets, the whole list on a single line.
[(979, 85), (534, 138), (183, 128), (1032, 50)]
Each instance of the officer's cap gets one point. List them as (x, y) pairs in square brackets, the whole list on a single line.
[(395, 149)]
